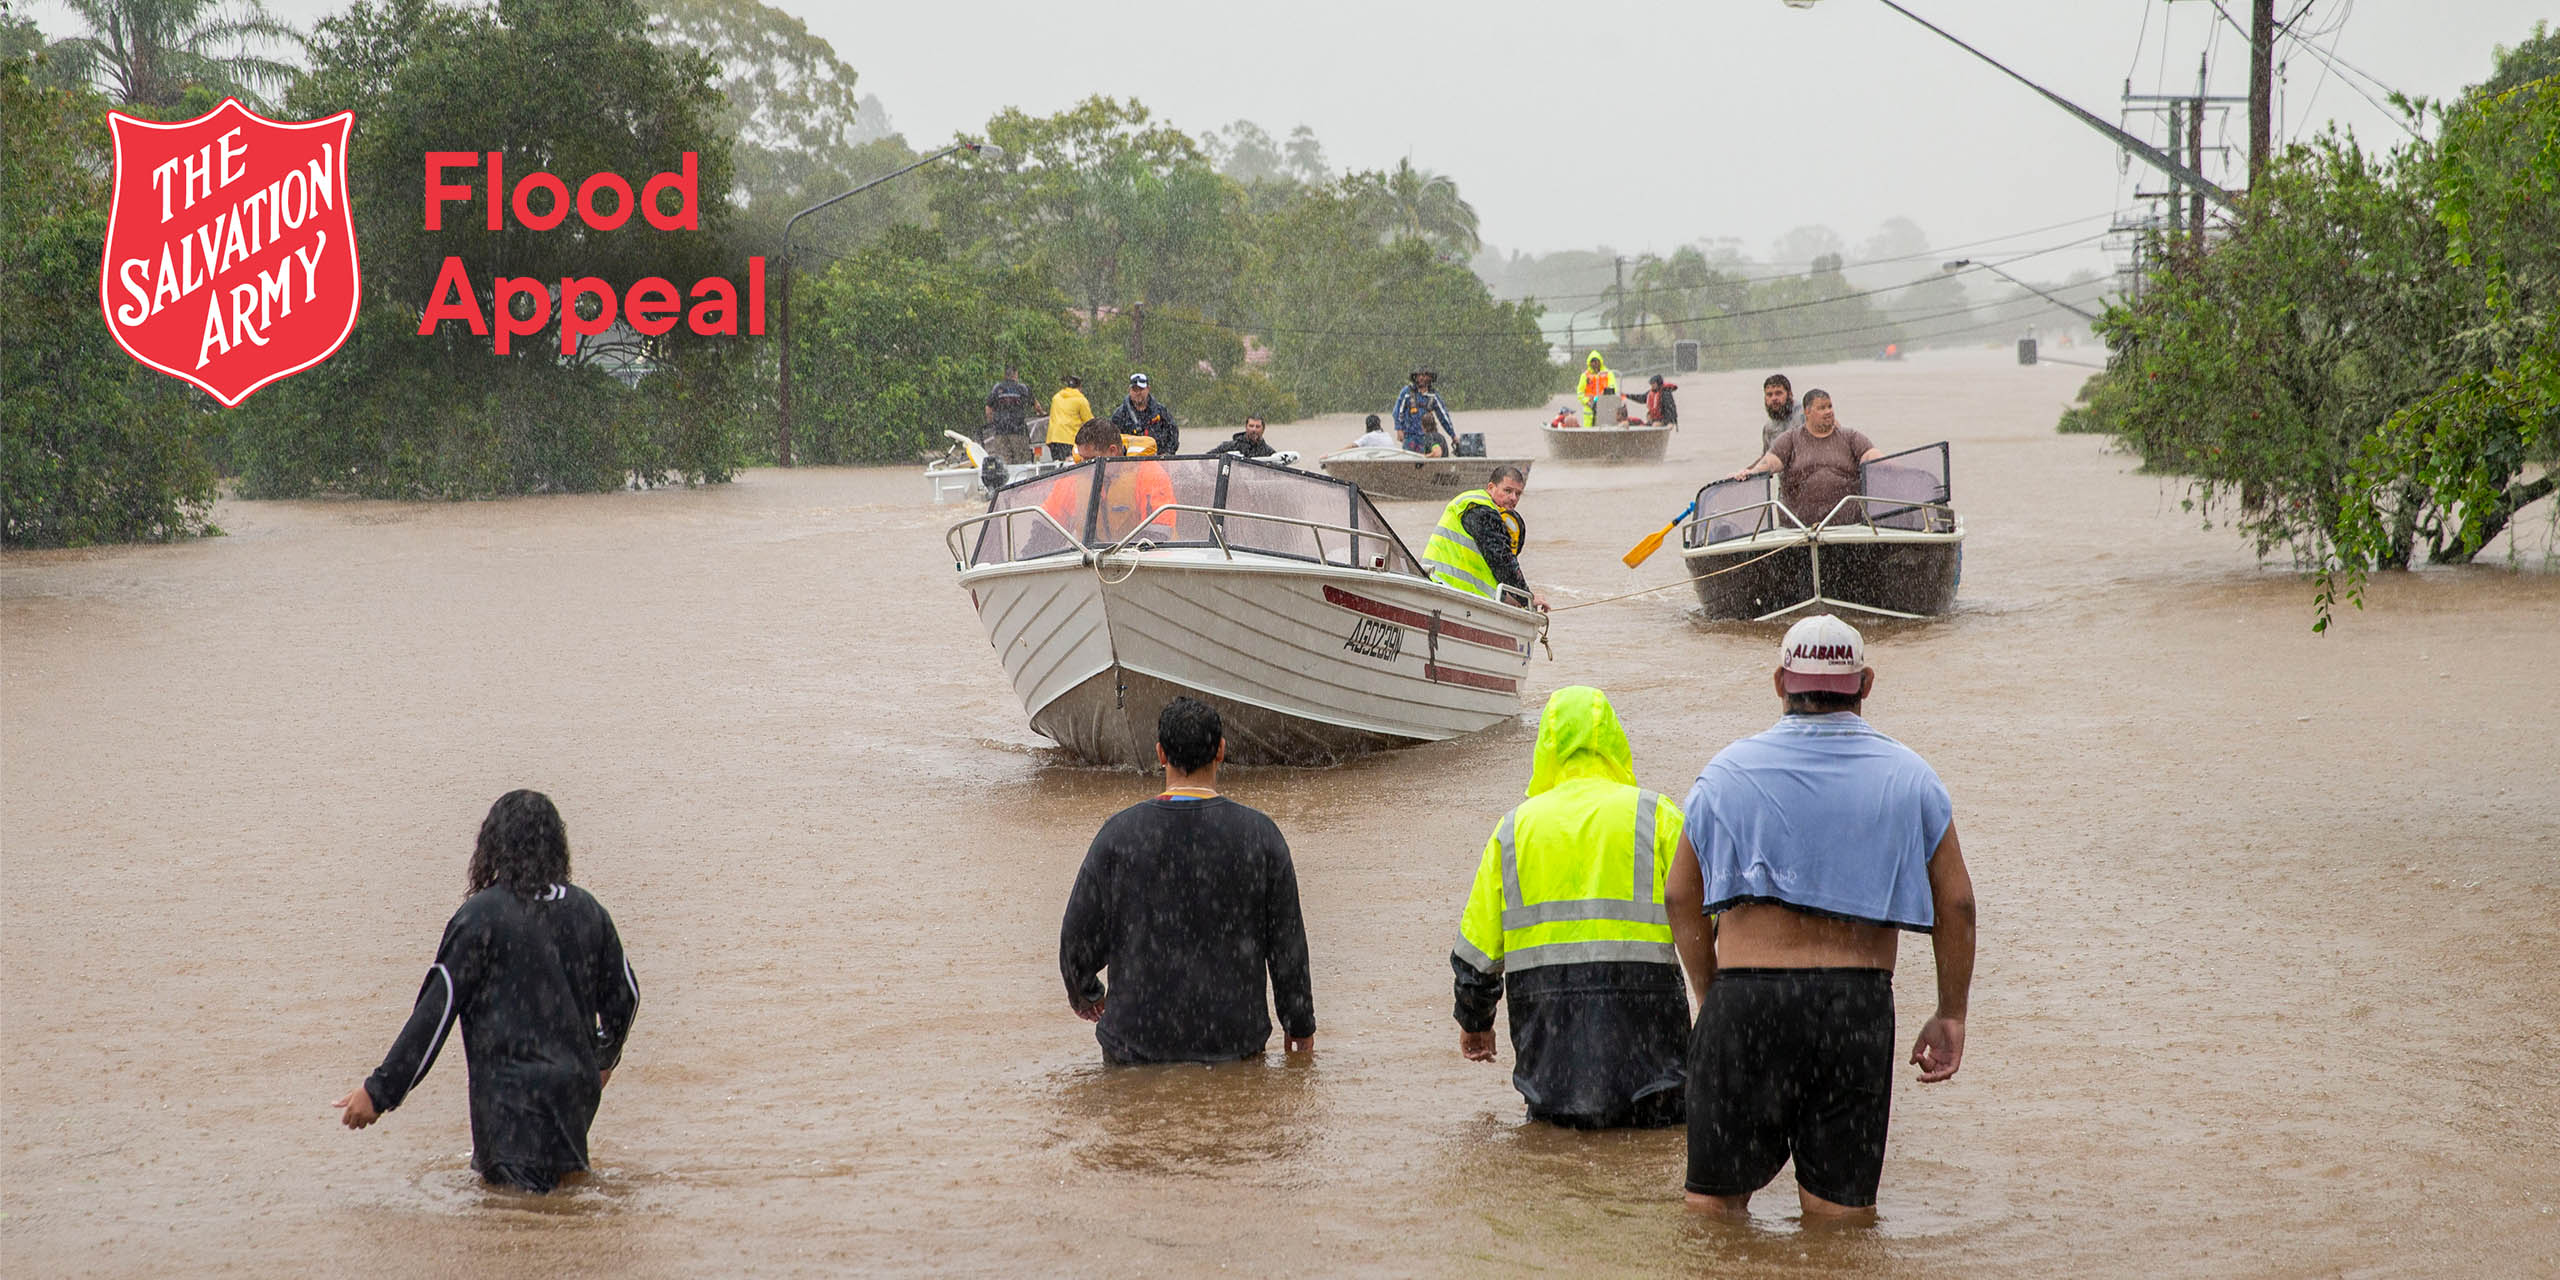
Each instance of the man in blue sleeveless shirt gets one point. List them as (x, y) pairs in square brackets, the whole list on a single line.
[(1811, 844)]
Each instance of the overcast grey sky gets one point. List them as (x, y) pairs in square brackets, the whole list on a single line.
[(1648, 125), (1710, 118)]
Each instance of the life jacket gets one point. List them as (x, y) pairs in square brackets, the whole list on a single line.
[(1452, 555)]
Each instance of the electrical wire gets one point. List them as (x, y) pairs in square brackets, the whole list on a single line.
[(1938, 252)]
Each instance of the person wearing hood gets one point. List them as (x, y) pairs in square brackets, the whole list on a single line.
[(1566, 919), (1598, 380)]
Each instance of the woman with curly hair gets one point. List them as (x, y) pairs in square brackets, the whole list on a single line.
[(532, 968)]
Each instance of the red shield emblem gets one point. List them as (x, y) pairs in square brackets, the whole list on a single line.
[(231, 253)]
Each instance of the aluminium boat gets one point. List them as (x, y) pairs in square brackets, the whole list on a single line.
[(1394, 473), (1280, 597), (1894, 548)]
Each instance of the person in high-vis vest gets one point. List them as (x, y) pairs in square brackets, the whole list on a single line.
[(1476, 547), (1566, 919), (1598, 379)]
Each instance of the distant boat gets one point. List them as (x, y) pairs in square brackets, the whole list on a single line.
[(1394, 473), (1281, 598), (1608, 444), (1894, 548)]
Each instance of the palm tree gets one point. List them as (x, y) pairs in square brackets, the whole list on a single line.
[(148, 52), (1417, 204)]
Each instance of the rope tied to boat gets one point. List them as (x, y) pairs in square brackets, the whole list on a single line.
[(1132, 552), (1669, 585)]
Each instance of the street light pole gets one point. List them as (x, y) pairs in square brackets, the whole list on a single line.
[(782, 389), (2149, 154), (1961, 263)]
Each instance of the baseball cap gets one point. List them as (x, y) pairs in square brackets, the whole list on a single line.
[(1822, 653), (1137, 379)]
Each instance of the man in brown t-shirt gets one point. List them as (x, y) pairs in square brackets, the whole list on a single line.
[(1817, 462)]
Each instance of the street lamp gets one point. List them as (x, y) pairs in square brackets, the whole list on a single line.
[(1961, 263), (988, 150), (2149, 154)]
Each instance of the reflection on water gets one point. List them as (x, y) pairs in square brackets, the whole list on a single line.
[(1247, 1120)]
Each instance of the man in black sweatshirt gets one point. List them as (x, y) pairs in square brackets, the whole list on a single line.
[(1190, 900)]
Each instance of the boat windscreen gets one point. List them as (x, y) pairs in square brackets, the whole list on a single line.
[(1065, 494), (1910, 479), (1730, 509)]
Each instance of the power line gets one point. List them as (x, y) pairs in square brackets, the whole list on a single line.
[(1939, 252)]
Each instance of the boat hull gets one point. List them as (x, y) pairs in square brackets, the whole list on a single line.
[(1307, 664), (1607, 444), (1418, 479), (1773, 575)]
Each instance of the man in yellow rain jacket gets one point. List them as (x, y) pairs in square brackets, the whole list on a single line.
[(1598, 379), (1566, 919)]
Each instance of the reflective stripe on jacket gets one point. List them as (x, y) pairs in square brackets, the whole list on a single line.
[(1574, 874), (1452, 555)]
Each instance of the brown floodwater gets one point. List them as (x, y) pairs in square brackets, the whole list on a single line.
[(2270, 955)]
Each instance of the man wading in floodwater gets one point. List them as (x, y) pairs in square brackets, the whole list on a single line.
[(1816, 840), (1189, 900)]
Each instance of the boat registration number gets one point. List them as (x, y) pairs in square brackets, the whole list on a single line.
[(1375, 639)]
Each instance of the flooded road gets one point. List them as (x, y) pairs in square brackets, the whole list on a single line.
[(2270, 951)]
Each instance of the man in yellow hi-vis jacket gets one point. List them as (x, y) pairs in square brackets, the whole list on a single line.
[(1566, 919)]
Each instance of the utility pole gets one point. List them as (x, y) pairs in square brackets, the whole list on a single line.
[(2195, 155), (1618, 324), (2262, 88), (2177, 194)]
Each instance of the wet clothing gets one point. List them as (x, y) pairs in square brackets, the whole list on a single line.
[(1378, 439), (1008, 446), (1596, 382), (1792, 1062), (1155, 422), (1499, 535), (1823, 814), (1010, 403), (1192, 904), (1068, 412), (1566, 919), (1819, 471), (1422, 421), (545, 998), (1244, 448), (1661, 407), (1772, 428)]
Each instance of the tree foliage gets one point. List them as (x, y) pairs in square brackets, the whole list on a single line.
[(2364, 370), (148, 53), (94, 447), (798, 131), (399, 414)]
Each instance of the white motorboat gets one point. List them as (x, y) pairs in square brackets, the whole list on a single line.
[(1395, 473), (961, 472), (1280, 597), (1894, 548)]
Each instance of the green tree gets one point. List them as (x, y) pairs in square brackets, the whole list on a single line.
[(149, 52), (795, 124), (901, 341), (2459, 455), (94, 447), (395, 413), (1416, 204)]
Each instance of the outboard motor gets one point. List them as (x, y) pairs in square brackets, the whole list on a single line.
[(992, 473), (1470, 444)]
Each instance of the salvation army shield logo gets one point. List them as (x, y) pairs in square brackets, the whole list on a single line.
[(231, 253)]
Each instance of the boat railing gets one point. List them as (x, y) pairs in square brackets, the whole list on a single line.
[(1773, 516), (1004, 518), (1767, 516), (1219, 516), (1161, 517)]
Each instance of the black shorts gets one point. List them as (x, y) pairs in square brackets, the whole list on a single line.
[(1792, 1062)]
